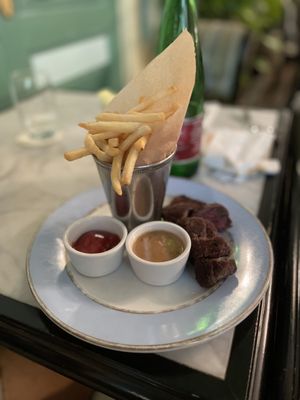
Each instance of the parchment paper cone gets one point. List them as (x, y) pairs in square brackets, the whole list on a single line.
[(175, 66)]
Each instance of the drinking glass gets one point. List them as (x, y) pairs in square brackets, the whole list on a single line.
[(34, 101)]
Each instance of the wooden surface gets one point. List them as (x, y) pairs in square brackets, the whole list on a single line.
[(23, 379)]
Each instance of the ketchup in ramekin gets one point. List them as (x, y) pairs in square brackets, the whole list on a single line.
[(96, 241)]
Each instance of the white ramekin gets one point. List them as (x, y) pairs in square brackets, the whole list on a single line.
[(158, 273), (96, 264)]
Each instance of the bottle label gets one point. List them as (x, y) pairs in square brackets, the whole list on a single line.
[(188, 146)]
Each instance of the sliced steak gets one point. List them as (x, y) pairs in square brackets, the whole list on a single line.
[(179, 207), (209, 248), (211, 271), (216, 214), (198, 226), (183, 206), (173, 213), (187, 200), (211, 254)]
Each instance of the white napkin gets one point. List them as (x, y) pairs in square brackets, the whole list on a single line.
[(241, 149)]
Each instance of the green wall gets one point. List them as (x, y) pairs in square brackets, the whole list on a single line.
[(45, 24)]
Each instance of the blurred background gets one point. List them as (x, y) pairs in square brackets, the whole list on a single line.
[(250, 47)]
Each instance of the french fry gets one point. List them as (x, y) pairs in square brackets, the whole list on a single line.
[(94, 149), (118, 138), (111, 151), (141, 143), (113, 142), (110, 126), (115, 174), (134, 117), (131, 139), (75, 154), (108, 135), (131, 158), (103, 145), (147, 102)]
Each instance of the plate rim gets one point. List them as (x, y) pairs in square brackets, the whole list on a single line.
[(152, 348)]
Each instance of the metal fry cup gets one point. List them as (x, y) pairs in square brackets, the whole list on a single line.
[(142, 200)]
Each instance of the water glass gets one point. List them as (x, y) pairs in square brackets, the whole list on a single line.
[(33, 98)]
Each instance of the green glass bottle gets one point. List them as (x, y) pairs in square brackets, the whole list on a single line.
[(177, 16)]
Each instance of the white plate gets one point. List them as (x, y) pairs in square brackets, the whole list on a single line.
[(138, 317)]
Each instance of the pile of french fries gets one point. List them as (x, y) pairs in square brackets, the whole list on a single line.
[(118, 138)]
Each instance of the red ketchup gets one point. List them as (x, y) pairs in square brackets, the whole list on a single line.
[(96, 241)]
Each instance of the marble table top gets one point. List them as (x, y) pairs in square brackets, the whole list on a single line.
[(35, 181)]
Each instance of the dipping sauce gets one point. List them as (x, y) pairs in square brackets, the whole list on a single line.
[(158, 246), (96, 241)]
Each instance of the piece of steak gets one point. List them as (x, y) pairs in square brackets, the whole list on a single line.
[(187, 200), (179, 207), (209, 248), (211, 271), (183, 206), (211, 253), (216, 214), (198, 226), (173, 213)]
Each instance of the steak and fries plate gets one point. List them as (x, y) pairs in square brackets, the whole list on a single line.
[(119, 312)]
